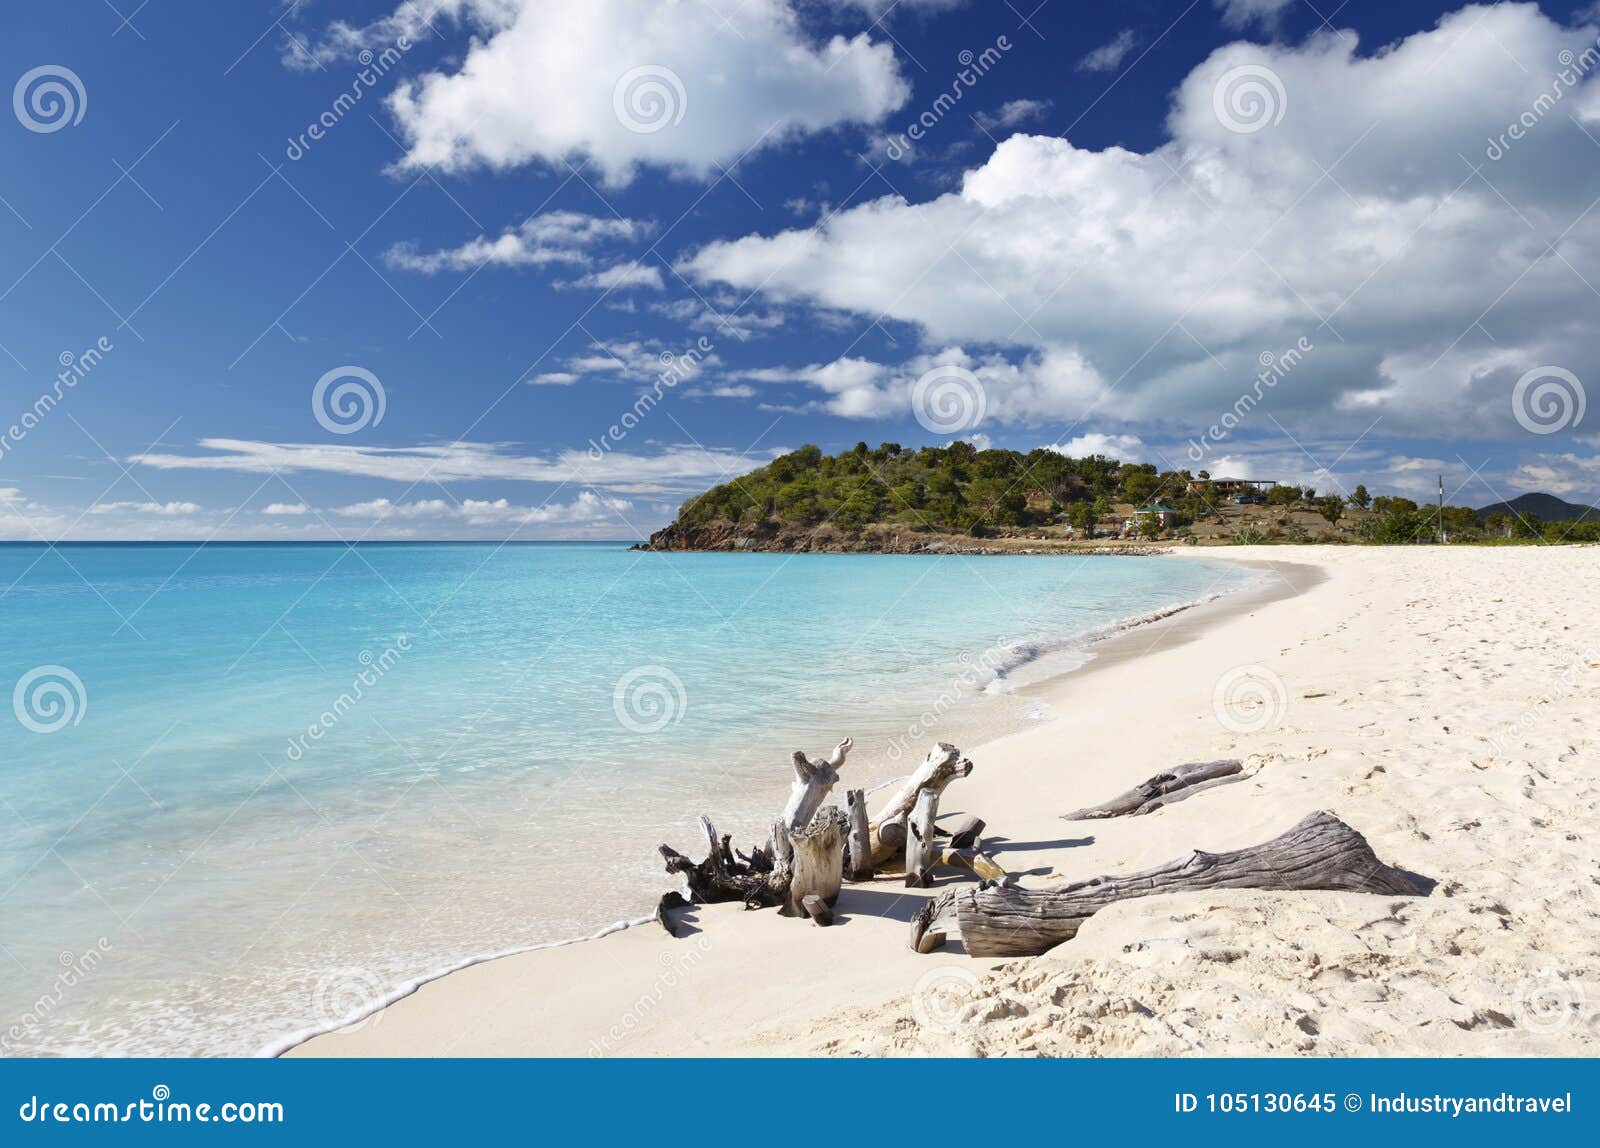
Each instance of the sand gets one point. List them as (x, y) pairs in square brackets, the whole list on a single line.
[(1441, 701)]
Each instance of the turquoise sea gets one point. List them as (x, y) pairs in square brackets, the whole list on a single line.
[(248, 791)]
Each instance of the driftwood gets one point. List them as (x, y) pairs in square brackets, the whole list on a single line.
[(817, 909), (943, 765), (965, 831), (672, 899), (1321, 852), (757, 881), (858, 852), (813, 781), (920, 848), (1164, 789), (817, 868)]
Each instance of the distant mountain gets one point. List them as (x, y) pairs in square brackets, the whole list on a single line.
[(1546, 507)]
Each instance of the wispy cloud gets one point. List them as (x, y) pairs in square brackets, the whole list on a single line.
[(1108, 57), (561, 237), (676, 468)]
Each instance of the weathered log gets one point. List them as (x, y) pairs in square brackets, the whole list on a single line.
[(813, 781), (1166, 788), (818, 866), (1321, 852), (965, 831), (919, 839), (943, 765), (890, 838), (858, 850)]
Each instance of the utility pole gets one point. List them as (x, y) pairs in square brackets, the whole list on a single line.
[(1441, 509)]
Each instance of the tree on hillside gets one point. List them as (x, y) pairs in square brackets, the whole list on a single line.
[(1361, 498), (1331, 508)]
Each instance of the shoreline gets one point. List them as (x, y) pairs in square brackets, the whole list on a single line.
[(1107, 646), (1432, 700)]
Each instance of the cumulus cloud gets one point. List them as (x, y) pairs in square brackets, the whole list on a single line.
[(1108, 57), (685, 87), (1123, 447), (620, 276), (1355, 206), (675, 468), (568, 237)]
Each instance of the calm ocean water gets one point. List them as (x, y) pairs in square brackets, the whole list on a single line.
[(249, 790)]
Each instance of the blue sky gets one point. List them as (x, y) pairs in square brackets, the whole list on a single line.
[(1232, 235)]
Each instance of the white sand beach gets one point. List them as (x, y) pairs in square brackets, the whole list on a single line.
[(1440, 701)]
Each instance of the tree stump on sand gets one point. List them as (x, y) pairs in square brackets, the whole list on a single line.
[(1164, 789), (1321, 852), (817, 868)]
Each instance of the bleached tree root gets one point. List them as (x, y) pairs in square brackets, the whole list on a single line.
[(1321, 852), (943, 765), (1164, 789), (817, 868)]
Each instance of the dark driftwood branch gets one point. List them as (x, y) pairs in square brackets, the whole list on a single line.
[(723, 877), (1164, 789), (1321, 852), (965, 831)]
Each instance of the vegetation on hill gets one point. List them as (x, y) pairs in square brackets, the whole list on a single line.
[(865, 497)]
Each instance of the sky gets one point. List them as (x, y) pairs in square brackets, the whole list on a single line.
[(532, 269)]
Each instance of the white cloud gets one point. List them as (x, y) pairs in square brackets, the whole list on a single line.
[(1012, 113), (676, 468), (1123, 447), (1241, 14), (620, 276), (1108, 57), (587, 507), (553, 237), (553, 379), (1144, 287), (541, 80), (286, 509), (162, 509)]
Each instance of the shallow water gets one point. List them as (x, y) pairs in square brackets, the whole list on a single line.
[(279, 781)]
